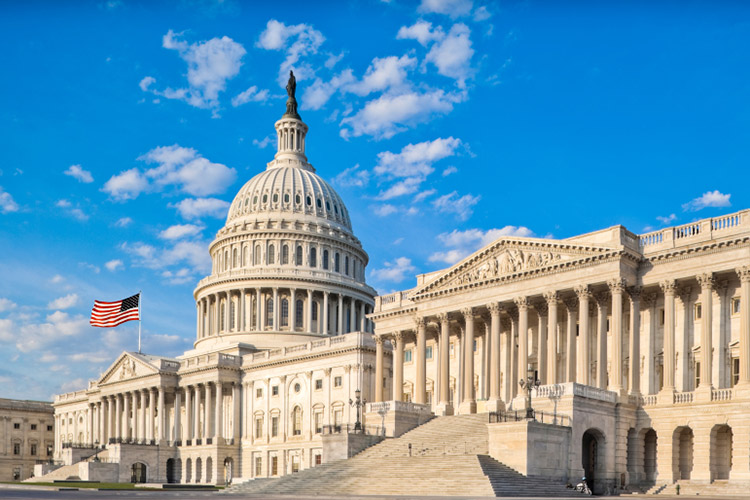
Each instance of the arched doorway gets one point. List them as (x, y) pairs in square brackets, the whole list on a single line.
[(198, 470), (228, 466), (188, 470), (649, 456), (178, 470), (209, 470), (170, 470), (682, 446), (721, 452), (592, 454), (138, 473)]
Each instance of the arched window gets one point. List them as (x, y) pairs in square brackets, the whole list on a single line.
[(271, 251), (226, 260), (285, 254), (235, 258), (284, 312), (299, 314), (256, 255), (313, 257), (354, 268), (232, 311), (298, 258), (245, 256), (269, 312), (346, 265), (336, 266), (221, 316), (325, 259), (297, 421)]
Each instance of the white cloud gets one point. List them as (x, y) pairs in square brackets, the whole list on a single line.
[(708, 199), (126, 185), (666, 220), (196, 208), (452, 8), (333, 59), (48, 358), (7, 204), (265, 142), (424, 194), (422, 32), (123, 222), (392, 113), (462, 206), (114, 265), (406, 186), (395, 271), (450, 170), (6, 304), (56, 279), (482, 14), (65, 302), (250, 95), (35, 337), (317, 95), (416, 159), (70, 210), (298, 40), (80, 174), (384, 210), (452, 55), (210, 63), (352, 176), (460, 244), (384, 73), (178, 277), (179, 231)]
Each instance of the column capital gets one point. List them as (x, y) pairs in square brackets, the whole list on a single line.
[(420, 322), (571, 304), (522, 303), (684, 293), (582, 291), (443, 317), (616, 285), (378, 340), (494, 308), (706, 281), (397, 336), (468, 313), (668, 287), (743, 273), (541, 308), (635, 292), (551, 297), (602, 298)]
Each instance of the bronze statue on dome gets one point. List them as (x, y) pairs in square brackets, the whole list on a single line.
[(291, 103)]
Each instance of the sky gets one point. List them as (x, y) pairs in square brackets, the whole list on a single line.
[(127, 127)]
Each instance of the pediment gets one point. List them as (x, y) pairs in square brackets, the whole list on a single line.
[(128, 366), (510, 257)]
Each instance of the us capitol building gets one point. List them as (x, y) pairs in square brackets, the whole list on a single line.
[(634, 351)]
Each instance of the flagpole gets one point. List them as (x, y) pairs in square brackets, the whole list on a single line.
[(140, 315)]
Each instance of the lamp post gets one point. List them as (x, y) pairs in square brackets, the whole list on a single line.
[(531, 382), (358, 403), (96, 447)]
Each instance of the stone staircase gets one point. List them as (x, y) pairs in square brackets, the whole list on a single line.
[(59, 474), (448, 456), (716, 489)]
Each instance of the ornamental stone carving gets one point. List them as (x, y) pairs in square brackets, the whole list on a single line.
[(635, 292), (522, 303), (668, 287), (706, 280), (541, 308), (494, 308), (616, 285), (583, 291), (551, 297), (508, 261)]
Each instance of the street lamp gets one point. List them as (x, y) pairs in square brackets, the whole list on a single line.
[(531, 382), (96, 447), (358, 403)]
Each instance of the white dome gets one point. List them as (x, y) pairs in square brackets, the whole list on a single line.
[(289, 192)]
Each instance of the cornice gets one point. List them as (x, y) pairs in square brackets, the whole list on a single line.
[(705, 248), (310, 357), (286, 278)]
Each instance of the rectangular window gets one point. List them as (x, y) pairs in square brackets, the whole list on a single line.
[(697, 374), (338, 417), (407, 356), (274, 466), (275, 390), (318, 422), (697, 311), (33, 427), (735, 371), (428, 352), (319, 384), (318, 459), (258, 466), (274, 426), (33, 449), (17, 425), (475, 345), (49, 428), (661, 317), (49, 450), (295, 464), (337, 381), (453, 349), (735, 306), (16, 448), (259, 392), (258, 427)]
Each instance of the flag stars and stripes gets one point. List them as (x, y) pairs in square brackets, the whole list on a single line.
[(109, 314)]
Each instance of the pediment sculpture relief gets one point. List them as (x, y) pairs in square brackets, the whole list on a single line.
[(509, 261), (127, 369)]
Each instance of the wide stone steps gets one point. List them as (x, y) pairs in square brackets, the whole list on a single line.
[(717, 488), (64, 472)]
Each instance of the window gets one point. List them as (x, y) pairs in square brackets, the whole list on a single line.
[(407, 356), (661, 317), (297, 421), (325, 259), (286, 197), (274, 426), (428, 352), (308, 200), (295, 464), (328, 206), (259, 392), (285, 254), (33, 449), (274, 466), (275, 390), (16, 448), (256, 255), (298, 256), (336, 260), (697, 374), (735, 371), (221, 316), (232, 313), (338, 417), (320, 203), (269, 312), (284, 312), (337, 381), (16, 425), (313, 257), (33, 427), (258, 427), (275, 197), (297, 387), (318, 418), (49, 450), (319, 384), (258, 466), (475, 345), (235, 259), (453, 349), (271, 251), (49, 428), (265, 198), (346, 265), (318, 459), (735, 306), (697, 311), (315, 312)]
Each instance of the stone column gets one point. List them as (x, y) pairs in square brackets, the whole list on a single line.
[(444, 405), (309, 313), (207, 410), (276, 325), (219, 419), (197, 413), (292, 309), (669, 288), (151, 414), (125, 416), (648, 303), (199, 317), (602, 300), (323, 316), (420, 393), (235, 412), (142, 416), (541, 353), (217, 312), (744, 275), (113, 407), (583, 374), (616, 288), (362, 318), (634, 370), (177, 431), (258, 311), (161, 417), (340, 315), (469, 403), (513, 363), (188, 429), (378, 369), (242, 311), (707, 283), (398, 366), (90, 436), (523, 338), (570, 348), (104, 415), (684, 382), (552, 299), (352, 315), (494, 403)]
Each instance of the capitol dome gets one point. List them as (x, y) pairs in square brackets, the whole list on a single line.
[(286, 267)]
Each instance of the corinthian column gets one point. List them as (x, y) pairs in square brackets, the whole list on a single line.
[(570, 349), (583, 372), (602, 300), (541, 353), (669, 288), (522, 304), (378, 369), (469, 403), (744, 274), (398, 366), (634, 370), (420, 395), (551, 298), (494, 403), (707, 283), (444, 406), (616, 287)]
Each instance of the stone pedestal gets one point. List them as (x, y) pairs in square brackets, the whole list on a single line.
[(444, 409), (345, 445), (531, 448), (393, 418), (494, 405), (467, 407)]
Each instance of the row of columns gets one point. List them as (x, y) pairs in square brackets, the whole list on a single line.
[(209, 311), (194, 431), (578, 349), (111, 418)]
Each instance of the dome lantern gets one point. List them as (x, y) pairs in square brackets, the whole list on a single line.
[(290, 134)]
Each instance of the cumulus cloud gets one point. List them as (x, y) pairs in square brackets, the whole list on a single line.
[(65, 302), (71, 210), (384, 210), (405, 186), (298, 40), (7, 204), (178, 277), (265, 142), (395, 271), (250, 95), (461, 206), (317, 95), (113, 265), (78, 173), (450, 170), (482, 14), (56, 279), (422, 32), (452, 55), (36, 336), (460, 244), (185, 252), (666, 220), (196, 208), (211, 64), (6, 304), (352, 176), (123, 222), (707, 199), (452, 8), (384, 73), (179, 231), (177, 166), (392, 113)]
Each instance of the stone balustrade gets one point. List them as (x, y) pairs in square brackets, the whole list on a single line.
[(702, 230)]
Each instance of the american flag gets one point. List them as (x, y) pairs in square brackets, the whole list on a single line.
[(109, 314)]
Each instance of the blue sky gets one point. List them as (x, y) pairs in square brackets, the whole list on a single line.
[(127, 127)]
